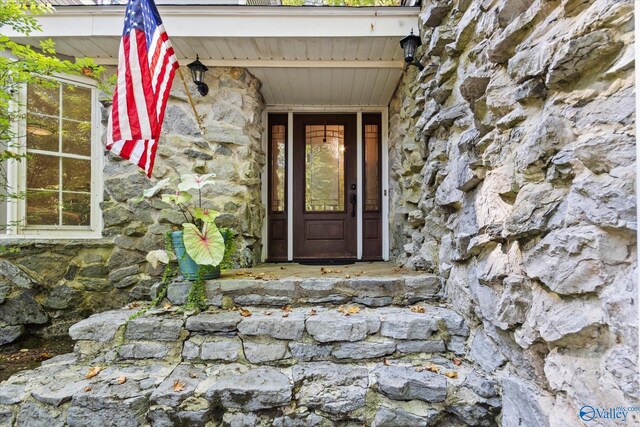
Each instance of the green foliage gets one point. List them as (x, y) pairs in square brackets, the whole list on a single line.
[(197, 299), (202, 239), (21, 65), (230, 248)]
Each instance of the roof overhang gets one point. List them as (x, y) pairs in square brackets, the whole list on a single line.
[(290, 49)]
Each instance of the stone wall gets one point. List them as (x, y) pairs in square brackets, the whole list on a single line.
[(513, 168), (48, 285)]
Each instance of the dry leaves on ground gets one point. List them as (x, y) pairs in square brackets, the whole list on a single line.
[(456, 361), (348, 311), (93, 372), (167, 306), (179, 385), (328, 271), (430, 368), (121, 380), (192, 375), (244, 312), (313, 312), (268, 313), (418, 309), (451, 374), (386, 362), (88, 389), (287, 308)]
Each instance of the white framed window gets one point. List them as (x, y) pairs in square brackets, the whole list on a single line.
[(61, 178)]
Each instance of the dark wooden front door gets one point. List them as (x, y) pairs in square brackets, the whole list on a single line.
[(324, 186)]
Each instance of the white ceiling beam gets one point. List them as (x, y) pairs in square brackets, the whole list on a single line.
[(260, 63), (236, 21)]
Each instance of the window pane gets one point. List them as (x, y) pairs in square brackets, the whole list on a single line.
[(76, 103), (277, 168), (42, 172), (371, 170), (76, 137), (76, 209), (43, 99), (42, 208), (324, 168), (76, 175), (42, 132)]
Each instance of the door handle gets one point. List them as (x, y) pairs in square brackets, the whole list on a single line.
[(354, 201)]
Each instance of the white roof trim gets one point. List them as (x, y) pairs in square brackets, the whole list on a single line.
[(236, 21)]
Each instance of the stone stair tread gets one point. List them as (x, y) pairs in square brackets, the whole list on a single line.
[(367, 290), (327, 390)]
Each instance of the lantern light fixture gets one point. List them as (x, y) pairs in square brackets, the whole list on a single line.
[(409, 44), (197, 74)]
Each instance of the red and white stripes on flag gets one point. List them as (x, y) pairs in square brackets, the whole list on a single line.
[(146, 67)]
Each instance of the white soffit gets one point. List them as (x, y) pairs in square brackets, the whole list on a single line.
[(302, 55)]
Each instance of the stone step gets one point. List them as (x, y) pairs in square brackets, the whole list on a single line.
[(272, 336), (306, 394), (373, 291)]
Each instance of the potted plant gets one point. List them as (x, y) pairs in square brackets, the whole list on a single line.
[(200, 246)]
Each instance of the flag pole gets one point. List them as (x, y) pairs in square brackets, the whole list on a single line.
[(193, 106)]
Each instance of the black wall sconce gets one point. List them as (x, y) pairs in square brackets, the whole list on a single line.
[(409, 45), (197, 74)]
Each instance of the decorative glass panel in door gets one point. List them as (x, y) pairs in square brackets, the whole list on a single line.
[(324, 168)]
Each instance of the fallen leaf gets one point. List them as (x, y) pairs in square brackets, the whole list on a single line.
[(133, 305), (93, 372), (268, 313), (244, 312), (346, 276), (419, 369), (456, 361), (385, 362), (287, 308), (433, 368), (322, 270), (417, 309), (45, 355), (313, 312), (352, 310), (451, 374), (88, 389), (179, 385), (121, 380), (192, 375), (341, 309), (167, 306), (285, 314)]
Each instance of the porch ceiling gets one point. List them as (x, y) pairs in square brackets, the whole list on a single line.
[(302, 56)]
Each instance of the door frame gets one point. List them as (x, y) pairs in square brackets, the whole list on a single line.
[(302, 109)]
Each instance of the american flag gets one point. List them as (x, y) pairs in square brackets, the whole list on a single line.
[(146, 67)]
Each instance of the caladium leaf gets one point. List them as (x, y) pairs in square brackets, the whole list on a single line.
[(194, 182), (179, 197), (160, 185), (205, 247), (206, 215), (160, 255)]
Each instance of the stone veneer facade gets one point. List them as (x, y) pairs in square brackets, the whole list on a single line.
[(49, 285), (513, 167), (513, 178)]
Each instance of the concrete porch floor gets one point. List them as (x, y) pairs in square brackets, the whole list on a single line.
[(276, 271)]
